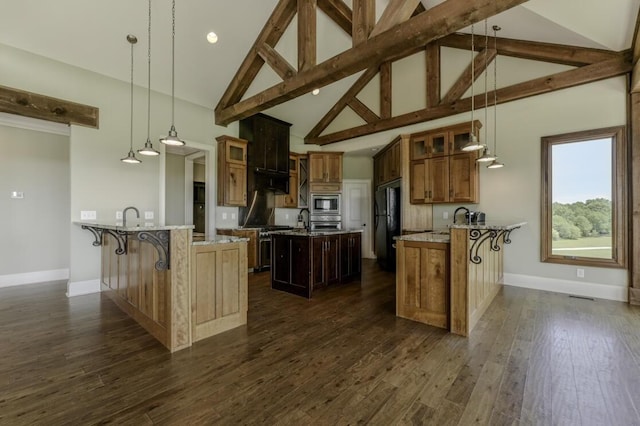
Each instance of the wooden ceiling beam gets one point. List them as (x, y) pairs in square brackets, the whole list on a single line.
[(278, 22), (465, 81), (338, 12), (362, 110), (306, 34), (396, 12), (428, 26), (635, 48), (279, 64), (432, 56), (364, 20), (575, 77), (547, 52), (33, 105), (385, 90)]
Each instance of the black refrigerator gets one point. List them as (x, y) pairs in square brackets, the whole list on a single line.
[(387, 224)]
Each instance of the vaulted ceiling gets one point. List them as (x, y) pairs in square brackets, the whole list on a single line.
[(91, 35)]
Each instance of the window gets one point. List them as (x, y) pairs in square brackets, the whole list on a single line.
[(584, 188)]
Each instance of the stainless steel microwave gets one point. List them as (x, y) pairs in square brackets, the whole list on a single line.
[(325, 204)]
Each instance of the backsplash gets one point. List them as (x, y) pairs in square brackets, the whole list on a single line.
[(288, 217), (226, 217)]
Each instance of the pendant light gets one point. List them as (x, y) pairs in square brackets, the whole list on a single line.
[(131, 157), (495, 164), (172, 137), (148, 146), (473, 144), (486, 152)]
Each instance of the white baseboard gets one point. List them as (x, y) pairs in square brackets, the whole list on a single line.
[(34, 277), (578, 288), (78, 288)]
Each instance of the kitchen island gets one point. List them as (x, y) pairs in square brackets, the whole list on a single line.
[(180, 291), (449, 278), (303, 261)]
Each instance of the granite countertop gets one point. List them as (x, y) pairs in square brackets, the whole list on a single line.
[(304, 233), (117, 226), (490, 224), (219, 239), (428, 237)]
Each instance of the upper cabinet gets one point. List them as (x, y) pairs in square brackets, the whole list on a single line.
[(290, 200), (232, 171), (325, 171), (386, 163), (440, 171)]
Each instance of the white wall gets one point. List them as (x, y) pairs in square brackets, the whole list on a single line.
[(34, 229), (99, 181), (174, 179)]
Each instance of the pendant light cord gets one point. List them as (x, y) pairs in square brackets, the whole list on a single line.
[(173, 60), (473, 77), (486, 66), (131, 93), (495, 90), (149, 75)]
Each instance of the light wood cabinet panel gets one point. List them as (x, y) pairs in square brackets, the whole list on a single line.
[(386, 163), (463, 177), (232, 171), (252, 244), (417, 182), (325, 171), (219, 288), (438, 178), (422, 282)]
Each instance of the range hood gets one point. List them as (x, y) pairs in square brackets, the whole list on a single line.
[(260, 211)]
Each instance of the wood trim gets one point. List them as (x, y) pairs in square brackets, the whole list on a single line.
[(180, 290), (396, 12), (33, 105), (385, 90), (364, 20), (562, 80), (459, 266), (306, 34), (276, 25), (279, 64), (362, 110), (635, 48), (338, 12), (537, 51), (465, 81), (428, 26), (432, 56), (634, 199)]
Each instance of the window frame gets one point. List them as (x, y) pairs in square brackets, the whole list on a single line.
[(619, 201)]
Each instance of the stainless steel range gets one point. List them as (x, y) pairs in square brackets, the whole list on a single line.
[(264, 244)]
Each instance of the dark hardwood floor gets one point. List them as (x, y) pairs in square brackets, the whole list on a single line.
[(535, 358)]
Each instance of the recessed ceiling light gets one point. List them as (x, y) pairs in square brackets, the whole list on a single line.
[(212, 37), (315, 92)]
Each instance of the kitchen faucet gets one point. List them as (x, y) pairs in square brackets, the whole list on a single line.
[(124, 215), (300, 217), (456, 213)]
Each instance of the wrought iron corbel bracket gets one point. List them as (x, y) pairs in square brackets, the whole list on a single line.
[(479, 236)]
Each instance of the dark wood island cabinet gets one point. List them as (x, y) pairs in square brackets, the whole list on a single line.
[(302, 262)]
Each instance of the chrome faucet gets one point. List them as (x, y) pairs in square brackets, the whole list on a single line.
[(301, 218), (466, 210), (124, 215)]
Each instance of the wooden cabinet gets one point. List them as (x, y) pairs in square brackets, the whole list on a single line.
[(440, 172), (268, 143), (232, 171), (290, 200), (422, 282), (325, 260), (303, 181), (386, 163), (218, 288), (290, 264), (350, 256), (325, 171), (252, 244)]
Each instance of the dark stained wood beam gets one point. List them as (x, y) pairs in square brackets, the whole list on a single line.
[(466, 79), (306, 34), (27, 104), (338, 12), (396, 12), (364, 19), (428, 26), (362, 110), (278, 22), (547, 52), (419, 9), (385, 90), (575, 77), (432, 55), (279, 64)]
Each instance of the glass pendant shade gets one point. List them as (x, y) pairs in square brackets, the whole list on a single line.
[(495, 164), (130, 158), (486, 156), (148, 149)]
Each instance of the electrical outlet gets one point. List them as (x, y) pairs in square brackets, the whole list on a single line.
[(445, 215), (88, 215), (17, 194), (233, 215), (286, 216), (148, 215), (224, 216), (580, 272), (119, 214)]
